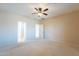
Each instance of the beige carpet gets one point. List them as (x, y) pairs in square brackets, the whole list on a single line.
[(41, 48)]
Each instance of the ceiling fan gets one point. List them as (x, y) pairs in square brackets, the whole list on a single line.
[(40, 11)]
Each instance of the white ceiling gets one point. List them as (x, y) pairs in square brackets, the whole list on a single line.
[(26, 9)]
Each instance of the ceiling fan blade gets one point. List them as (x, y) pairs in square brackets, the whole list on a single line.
[(45, 14), (34, 13), (36, 9), (45, 9), (40, 9)]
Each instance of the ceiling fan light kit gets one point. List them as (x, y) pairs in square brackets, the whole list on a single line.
[(40, 12)]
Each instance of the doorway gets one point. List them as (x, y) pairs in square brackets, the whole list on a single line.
[(21, 32)]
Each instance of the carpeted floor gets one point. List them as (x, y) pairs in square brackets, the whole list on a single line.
[(41, 48)]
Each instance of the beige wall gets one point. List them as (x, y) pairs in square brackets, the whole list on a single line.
[(72, 28), (63, 28)]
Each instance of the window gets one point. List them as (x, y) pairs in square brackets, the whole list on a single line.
[(39, 31)]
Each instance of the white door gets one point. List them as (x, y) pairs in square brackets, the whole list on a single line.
[(21, 32)]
